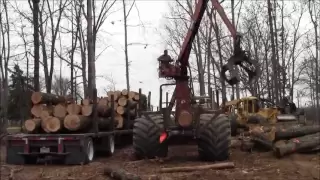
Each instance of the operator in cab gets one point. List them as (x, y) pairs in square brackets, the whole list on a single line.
[(165, 59)]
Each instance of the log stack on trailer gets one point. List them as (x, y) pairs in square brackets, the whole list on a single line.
[(58, 114), (61, 129)]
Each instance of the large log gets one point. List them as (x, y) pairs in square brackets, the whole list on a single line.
[(46, 98), (105, 123), (103, 102), (86, 110), (104, 110), (292, 132), (143, 100), (60, 111), (119, 120), (116, 95), (31, 125), (115, 105), (76, 122), (46, 112), (37, 109), (120, 174), (86, 102), (223, 165), (125, 111), (122, 101), (74, 109), (297, 144), (131, 95), (54, 124), (44, 124), (125, 92)]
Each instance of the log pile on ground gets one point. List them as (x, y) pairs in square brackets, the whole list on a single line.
[(281, 139), (53, 114)]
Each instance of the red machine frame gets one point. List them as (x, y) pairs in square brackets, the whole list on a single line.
[(179, 71)]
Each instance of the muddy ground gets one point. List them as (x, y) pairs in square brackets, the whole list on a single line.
[(249, 166)]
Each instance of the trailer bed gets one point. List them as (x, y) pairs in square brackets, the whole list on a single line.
[(66, 148)]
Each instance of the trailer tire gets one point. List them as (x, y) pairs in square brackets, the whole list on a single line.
[(146, 134), (214, 137), (89, 150), (110, 145)]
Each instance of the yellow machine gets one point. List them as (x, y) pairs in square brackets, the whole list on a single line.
[(252, 110)]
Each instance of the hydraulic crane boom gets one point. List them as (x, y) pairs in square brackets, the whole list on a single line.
[(182, 99)]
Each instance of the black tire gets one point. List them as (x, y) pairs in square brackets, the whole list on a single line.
[(89, 151), (214, 137), (110, 145), (146, 134)]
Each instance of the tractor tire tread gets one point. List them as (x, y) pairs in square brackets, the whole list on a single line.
[(214, 137), (146, 133)]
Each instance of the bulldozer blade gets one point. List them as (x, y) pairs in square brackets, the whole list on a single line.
[(287, 117)]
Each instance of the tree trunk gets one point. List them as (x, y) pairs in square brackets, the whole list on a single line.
[(126, 44), (91, 59), (36, 44), (273, 58)]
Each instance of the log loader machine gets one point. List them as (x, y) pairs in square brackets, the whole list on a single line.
[(211, 129)]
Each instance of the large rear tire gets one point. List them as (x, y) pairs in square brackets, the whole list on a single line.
[(214, 137), (146, 136)]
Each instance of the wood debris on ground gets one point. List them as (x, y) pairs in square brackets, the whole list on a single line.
[(282, 138)]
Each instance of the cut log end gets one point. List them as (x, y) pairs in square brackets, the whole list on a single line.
[(31, 125), (75, 122), (73, 109), (124, 92), (36, 110), (86, 110), (122, 101), (36, 97), (53, 124), (59, 111)]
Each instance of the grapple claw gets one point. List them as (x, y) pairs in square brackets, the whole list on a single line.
[(239, 60)]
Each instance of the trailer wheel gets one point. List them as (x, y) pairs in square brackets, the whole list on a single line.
[(214, 137), (146, 134), (110, 145), (89, 150)]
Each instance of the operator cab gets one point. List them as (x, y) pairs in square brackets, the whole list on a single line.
[(167, 69)]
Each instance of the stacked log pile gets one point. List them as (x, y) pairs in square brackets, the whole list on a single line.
[(53, 114), (282, 139)]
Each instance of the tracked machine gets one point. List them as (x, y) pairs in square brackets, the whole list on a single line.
[(153, 131)]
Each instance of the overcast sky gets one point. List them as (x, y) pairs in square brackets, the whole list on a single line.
[(143, 60)]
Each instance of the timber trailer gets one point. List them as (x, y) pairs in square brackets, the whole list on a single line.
[(153, 131), (72, 149)]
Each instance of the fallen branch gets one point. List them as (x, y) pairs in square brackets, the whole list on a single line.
[(120, 174), (223, 165)]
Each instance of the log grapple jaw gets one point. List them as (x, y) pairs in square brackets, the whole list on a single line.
[(242, 59)]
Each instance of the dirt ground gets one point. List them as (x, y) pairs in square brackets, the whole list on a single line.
[(249, 166)]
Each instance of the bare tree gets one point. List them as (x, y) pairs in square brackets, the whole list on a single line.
[(313, 7), (125, 17), (35, 12), (4, 55)]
